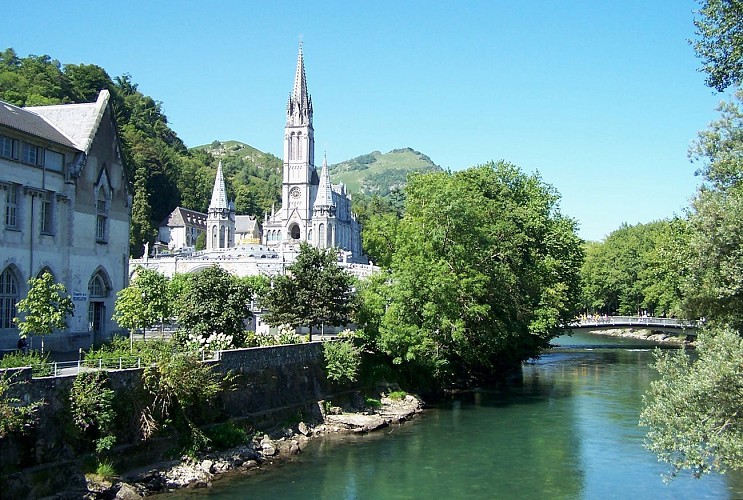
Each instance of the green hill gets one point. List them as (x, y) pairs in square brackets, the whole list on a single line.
[(377, 173), (253, 177)]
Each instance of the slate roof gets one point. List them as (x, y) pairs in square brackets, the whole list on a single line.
[(32, 123), (182, 216), (245, 224), (79, 122), (71, 125)]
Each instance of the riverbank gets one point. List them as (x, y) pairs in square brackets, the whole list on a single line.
[(646, 334), (266, 449)]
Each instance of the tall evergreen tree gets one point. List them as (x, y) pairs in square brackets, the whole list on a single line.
[(142, 230)]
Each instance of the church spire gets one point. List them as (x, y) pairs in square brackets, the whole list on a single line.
[(300, 101), (219, 193), (324, 190)]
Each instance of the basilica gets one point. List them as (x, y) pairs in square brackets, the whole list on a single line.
[(313, 210)]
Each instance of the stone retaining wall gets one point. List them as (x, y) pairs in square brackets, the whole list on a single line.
[(278, 379)]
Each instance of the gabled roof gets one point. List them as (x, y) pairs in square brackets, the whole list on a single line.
[(78, 122), (180, 216), (30, 122), (245, 224)]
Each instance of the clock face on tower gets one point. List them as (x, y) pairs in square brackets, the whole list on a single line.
[(294, 193)]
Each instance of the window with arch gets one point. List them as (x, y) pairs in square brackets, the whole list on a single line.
[(9, 295), (294, 232), (97, 287), (98, 290), (291, 147), (321, 236)]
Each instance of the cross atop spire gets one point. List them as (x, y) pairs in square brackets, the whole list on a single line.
[(300, 102)]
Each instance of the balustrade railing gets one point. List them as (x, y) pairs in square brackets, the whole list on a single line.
[(636, 321)]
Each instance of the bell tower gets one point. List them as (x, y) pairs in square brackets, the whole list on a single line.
[(299, 149)]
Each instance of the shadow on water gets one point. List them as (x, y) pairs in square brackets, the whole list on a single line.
[(565, 427)]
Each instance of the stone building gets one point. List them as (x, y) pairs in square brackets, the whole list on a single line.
[(312, 209), (65, 209), (181, 228)]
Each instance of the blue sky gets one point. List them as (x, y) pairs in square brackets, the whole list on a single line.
[(602, 98)]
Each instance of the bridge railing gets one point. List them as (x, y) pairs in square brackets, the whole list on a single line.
[(636, 321)]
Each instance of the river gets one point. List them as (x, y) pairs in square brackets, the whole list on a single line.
[(568, 429)]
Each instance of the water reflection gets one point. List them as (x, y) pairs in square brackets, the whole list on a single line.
[(566, 429)]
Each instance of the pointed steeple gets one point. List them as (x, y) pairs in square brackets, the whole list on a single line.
[(324, 189), (300, 101), (219, 193)]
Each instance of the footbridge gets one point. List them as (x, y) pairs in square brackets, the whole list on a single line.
[(669, 325)]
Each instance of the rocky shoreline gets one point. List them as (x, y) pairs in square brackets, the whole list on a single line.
[(264, 450), (646, 334)]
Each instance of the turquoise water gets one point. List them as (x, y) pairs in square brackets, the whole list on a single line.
[(567, 429)]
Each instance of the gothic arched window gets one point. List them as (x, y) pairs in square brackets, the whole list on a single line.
[(9, 295), (322, 242)]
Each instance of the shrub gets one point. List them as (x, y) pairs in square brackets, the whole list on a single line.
[(14, 416), (39, 363), (227, 435), (91, 405), (342, 360)]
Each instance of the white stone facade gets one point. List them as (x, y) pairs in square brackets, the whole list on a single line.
[(313, 210), (65, 208)]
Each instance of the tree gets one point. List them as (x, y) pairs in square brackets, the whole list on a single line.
[(715, 290), (141, 231), (46, 307), (484, 274), (720, 43), (314, 291), (217, 303), (143, 303), (694, 409)]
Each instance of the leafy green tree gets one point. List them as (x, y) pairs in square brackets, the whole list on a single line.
[(694, 409), (484, 274), (46, 307), (200, 242), (720, 42), (715, 290), (664, 275), (130, 311), (636, 268), (216, 303), (313, 292), (144, 302)]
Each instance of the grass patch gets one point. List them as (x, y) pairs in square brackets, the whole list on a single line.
[(397, 395), (372, 402)]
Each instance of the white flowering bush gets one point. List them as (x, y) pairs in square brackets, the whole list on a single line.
[(214, 342)]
